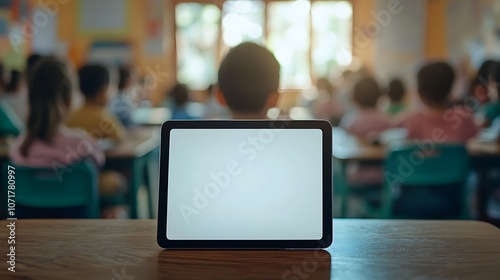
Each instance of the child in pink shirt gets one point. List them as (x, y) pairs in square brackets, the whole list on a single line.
[(367, 123), (437, 122), (47, 142)]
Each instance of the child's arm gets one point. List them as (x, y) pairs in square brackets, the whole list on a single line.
[(112, 128)]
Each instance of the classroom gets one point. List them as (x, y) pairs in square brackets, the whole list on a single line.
[(249, 139)]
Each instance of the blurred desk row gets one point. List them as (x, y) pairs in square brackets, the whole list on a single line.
[(484, 155), (137, 156)]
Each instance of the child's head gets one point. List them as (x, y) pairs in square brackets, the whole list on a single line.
[(49, 100), (366, 93), (124, 78), (179, 94), (14, 83), (31, 62), (482, 83), (248, 80), (324, 85), (2, 78), (94, 81), (435, 81), (396, 91)]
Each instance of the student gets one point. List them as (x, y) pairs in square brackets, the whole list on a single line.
[(366, 122), (327, 106), (31, 62), (481, 84), (14, 84), (454, 124), (248, 80), (2, 78), (47, 140), (213, 110), (122, 105), (491, 110), (396, 94), (179, 95), (93, 115)]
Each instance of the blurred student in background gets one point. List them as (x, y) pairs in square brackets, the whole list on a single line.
[(327, 105), (93, 116), (248, 80), (396, 93), (367, 122), (47, 140), (179, 97), (482, 83), (437, 121), (213, 110), (31, 62), (122, 105), (491, 110)]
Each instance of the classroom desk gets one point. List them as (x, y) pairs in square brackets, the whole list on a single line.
[(362, 249), (133, 154), (151, 116), (347, 148)]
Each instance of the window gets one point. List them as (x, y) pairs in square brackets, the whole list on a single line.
[(310, 38)]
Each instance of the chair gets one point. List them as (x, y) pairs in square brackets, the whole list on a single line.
[(10, 125), (410, 167), (68, 193)]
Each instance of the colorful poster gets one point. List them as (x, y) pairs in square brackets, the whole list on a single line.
[(155, 28)]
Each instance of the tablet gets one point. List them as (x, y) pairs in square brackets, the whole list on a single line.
[(245, 185)]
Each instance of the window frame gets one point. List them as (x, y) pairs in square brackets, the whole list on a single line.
[(220, 4)]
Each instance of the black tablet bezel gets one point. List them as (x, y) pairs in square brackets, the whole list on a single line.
[(324, 242)]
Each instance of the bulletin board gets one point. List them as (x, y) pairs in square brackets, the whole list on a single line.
[(400, 43), (104, 18)]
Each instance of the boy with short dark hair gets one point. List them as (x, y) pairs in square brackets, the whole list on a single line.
[(93, 116), (396, 94), (248, 81), (456, 125), (367, 122)]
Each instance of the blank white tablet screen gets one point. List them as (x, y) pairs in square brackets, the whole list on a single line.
[(245, 184)]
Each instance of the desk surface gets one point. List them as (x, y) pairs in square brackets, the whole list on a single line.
[(140, 141), (369, 249), (347, 147)]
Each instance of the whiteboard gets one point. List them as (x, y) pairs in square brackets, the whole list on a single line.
[(103, 15)]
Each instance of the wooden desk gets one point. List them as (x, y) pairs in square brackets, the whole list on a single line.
[(362, 249), (347, 148)]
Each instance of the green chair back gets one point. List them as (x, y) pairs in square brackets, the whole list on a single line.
[(10, 125), (414, 166), (66, 187)]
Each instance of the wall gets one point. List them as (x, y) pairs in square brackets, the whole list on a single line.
[(435, 44), (159, 68)]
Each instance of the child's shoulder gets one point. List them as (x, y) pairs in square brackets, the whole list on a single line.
[(74, 134)]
